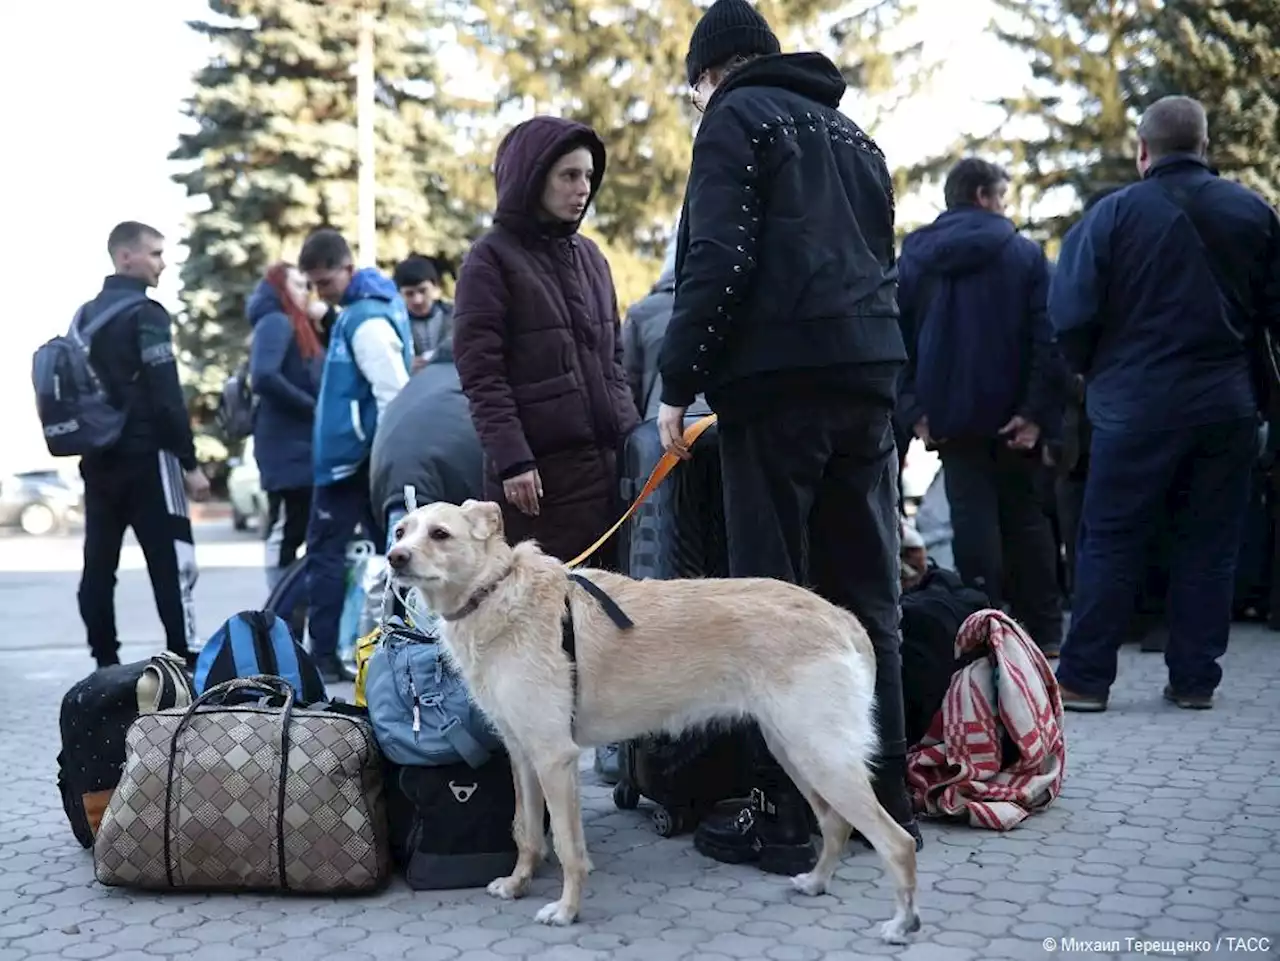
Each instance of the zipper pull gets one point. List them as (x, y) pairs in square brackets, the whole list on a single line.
[(417, 718)]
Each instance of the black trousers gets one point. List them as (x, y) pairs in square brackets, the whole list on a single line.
[(286, 531), (1004, 545), (145, 493), (811, 497)]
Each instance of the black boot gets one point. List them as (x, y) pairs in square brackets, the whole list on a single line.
[(771, 827)]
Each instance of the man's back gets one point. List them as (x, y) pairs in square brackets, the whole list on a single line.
[(426, 439), (1155, 306), (787, 242), (973, 295), (133, 355)]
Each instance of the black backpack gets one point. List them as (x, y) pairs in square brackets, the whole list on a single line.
[(451, 825), (236, 407), (95, 716), (932, 613), (74, 407)]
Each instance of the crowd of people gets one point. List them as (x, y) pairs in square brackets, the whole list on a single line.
[(785, 308)]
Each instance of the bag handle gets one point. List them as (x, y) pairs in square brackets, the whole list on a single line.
[(171, 680), (263, 683)]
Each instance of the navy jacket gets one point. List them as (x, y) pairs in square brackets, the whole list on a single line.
[(286, 388), (785, 257), (974, 294), (1138, 310)]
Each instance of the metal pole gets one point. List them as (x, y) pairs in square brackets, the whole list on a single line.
[(366, 186)]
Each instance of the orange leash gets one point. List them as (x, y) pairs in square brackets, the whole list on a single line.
[(666, 464)]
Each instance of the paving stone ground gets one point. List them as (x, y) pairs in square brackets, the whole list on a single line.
[(1166, 832)]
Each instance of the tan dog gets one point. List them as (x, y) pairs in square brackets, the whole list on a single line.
[(699, 651)]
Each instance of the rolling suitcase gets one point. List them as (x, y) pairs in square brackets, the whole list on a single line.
[(678, 532), (641, 541)]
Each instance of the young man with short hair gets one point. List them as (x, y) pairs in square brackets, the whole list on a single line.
[(430, 316), (366, 364), (143, 480)]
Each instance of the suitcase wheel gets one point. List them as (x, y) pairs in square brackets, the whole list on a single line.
[(625, 796), (670, 823)]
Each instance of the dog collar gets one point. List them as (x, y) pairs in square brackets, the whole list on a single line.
[(476, 598)]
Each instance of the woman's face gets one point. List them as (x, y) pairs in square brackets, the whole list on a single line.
[(296, 286), (568, 186)]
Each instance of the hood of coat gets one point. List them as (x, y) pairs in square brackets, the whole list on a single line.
[(960, 241), (810, 75), (263, 301), (524, 159), (369, 282)]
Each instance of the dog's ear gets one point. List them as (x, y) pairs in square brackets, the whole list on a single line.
[(485, 518)]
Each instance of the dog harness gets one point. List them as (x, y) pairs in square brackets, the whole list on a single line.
[(569, 641)]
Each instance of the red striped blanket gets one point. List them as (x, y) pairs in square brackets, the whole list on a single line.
[(958, 768)]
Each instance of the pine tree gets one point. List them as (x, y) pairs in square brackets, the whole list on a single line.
[(619, 67), (1070, 133), (273, 156), (1226, 55)]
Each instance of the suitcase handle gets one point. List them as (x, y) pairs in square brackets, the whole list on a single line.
[(263, 683), (666, 464)]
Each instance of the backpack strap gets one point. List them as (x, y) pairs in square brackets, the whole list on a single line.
[(85, 334)]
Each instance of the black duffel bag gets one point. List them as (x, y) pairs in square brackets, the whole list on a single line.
[(932, 612)]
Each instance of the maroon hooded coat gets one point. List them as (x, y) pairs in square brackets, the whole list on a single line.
[(539, 352)]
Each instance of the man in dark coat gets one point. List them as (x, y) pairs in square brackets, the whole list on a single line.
[(426, 440), (983, 383), (538, 345), (1160, 291), (786, 316)]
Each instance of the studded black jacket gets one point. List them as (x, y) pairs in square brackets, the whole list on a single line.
[(785, 263)]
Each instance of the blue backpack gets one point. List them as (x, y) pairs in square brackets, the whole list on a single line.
[(258, 642), (75, 411), (420, 709)]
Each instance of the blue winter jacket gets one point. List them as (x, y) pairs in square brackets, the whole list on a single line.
[(347, 414), (286, 388), (1138, 310), (973, 295)]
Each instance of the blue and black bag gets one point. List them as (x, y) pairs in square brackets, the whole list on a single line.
[(258, 642)]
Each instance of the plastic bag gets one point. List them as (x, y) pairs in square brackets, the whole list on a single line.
[(360, 554)]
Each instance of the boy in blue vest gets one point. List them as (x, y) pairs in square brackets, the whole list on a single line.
[(370, 352)]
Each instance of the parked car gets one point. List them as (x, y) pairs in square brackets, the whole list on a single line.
[(41, 502), (248, 499)]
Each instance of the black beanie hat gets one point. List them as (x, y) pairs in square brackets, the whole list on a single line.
[(730, 28)]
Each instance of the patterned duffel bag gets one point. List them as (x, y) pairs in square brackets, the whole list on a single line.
[(254, 795)]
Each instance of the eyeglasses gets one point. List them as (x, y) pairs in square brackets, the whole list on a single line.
[(694, 96)]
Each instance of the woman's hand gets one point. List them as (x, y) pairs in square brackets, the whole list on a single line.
[(524, 491)]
